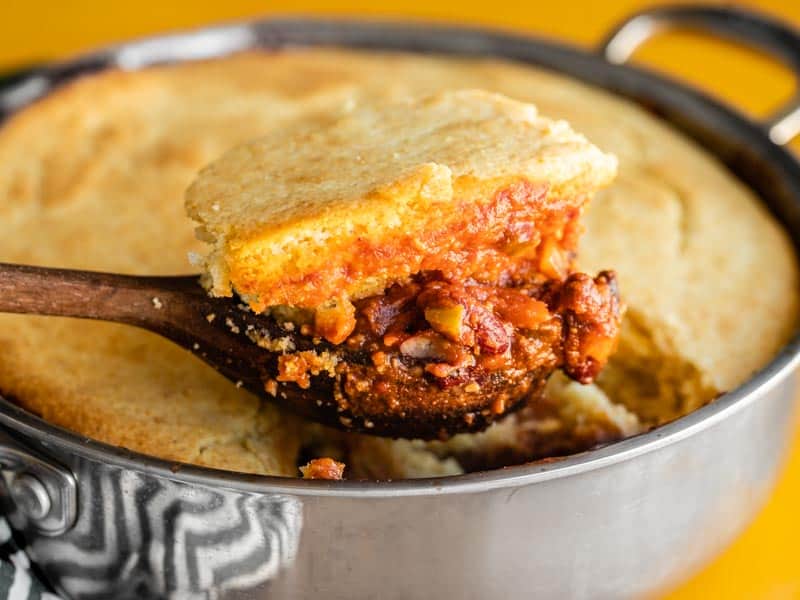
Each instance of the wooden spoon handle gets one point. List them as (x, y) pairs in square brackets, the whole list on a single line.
[(87, 294), (174, 307)]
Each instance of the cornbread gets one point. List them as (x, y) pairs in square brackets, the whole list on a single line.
[(311, 213), (709, 278)]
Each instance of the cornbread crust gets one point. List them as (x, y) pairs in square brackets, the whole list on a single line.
[(709, 278), (310, 213)]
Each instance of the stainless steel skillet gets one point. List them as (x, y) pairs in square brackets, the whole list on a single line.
[(622, 521)]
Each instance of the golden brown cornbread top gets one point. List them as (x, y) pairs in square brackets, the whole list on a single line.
[(281, 209), (710, 279)]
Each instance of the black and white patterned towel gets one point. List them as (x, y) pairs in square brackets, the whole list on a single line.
[(18, 580)]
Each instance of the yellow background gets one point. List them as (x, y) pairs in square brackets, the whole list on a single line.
[(765, 562)]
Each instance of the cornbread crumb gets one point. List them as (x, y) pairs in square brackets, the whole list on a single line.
[(231, 325), (263, 339), (323, 468), (195, 259), (299, 367)]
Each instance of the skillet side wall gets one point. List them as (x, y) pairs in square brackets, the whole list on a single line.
[(632, 528)]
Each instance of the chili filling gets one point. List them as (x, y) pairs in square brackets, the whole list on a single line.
[(457, 332), (488, 306), (519, 234)]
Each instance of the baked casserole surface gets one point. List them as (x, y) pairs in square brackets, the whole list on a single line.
[(93, 177)]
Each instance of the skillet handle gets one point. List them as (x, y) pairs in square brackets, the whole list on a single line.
[(44, 493), (739, 25)]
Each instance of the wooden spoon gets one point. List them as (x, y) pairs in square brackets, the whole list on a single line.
[(221, 332)]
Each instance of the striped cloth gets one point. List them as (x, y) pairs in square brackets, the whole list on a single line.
[(18, 580)]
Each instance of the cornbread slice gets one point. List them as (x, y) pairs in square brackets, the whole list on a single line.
[(468, 183), (436, 237)]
